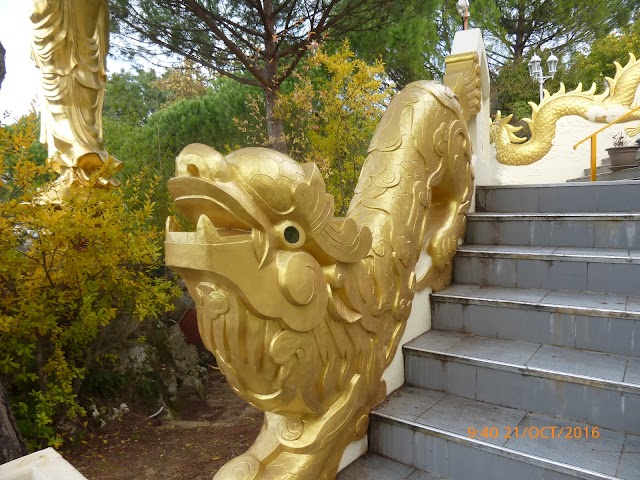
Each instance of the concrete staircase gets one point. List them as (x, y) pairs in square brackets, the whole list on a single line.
[(605, 173), (538, 336)]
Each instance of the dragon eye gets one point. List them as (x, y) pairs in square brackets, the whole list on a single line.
[(291, 234)]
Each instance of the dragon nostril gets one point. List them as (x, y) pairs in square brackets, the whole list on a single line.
[(193, 170), (291, 234)]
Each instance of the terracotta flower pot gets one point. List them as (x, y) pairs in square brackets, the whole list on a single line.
[(623, 157)]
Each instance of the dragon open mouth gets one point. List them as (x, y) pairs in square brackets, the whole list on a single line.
[(206, 233), (223, 213)]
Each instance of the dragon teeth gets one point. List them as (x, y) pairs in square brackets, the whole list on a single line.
[(171, 225), (206, 231)]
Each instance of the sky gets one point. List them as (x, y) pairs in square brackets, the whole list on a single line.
[(22, 82)]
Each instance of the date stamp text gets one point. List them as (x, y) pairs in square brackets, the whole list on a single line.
[(547, 432)]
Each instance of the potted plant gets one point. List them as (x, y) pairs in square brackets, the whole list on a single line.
[(622, 155)]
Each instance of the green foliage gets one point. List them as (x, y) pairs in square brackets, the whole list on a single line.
[(330, 116), (330, 112), (156, 144), (512, 27), (205, 119), (132, 97), (513, 30), (409, 41), (69, 275), (512, 88), (24, 132), (183, 82), (255, 43), (599, 63)]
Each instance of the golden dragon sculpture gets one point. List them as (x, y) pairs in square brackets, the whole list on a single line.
[(616, 100), (304, 310)]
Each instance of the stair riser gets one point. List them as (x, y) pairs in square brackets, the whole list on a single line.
[(571, 198), (632, 173), (599, 170), (555, 233), (598, 333), (591, 404), (617, 278), (457, 461)]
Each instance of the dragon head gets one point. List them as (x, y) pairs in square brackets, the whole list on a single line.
[(259, 265)]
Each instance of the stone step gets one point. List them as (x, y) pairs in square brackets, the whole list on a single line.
[(579, 385), (614, 271), (605, 167), (465, 439), (617, 196), (632, 173), (599, 230), (375, 467), (591, 321)]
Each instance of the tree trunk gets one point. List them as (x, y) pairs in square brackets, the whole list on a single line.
[(275, 125), (271, 86), (11, 444), (520, 40), (3, 69)]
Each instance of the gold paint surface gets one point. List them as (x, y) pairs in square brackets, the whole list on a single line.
[(304, 310), (70, 43), (618, 97), (462, 75)]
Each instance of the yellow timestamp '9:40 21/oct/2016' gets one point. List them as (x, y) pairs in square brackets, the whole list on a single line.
[(546, 432)]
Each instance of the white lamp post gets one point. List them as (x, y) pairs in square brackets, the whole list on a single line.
[(463, 10), (535, 70)]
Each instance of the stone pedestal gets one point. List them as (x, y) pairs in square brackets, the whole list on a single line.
[(42, 465)]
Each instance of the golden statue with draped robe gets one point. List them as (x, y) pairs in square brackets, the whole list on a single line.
[(69, 46)]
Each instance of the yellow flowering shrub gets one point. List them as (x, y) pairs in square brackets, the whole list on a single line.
[(68, 273)]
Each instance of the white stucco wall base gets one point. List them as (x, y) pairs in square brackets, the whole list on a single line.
[(418, 323), (42, 465), (353, 452)]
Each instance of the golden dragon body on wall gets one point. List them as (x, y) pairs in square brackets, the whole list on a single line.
[(616, 100), (304, 310)]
